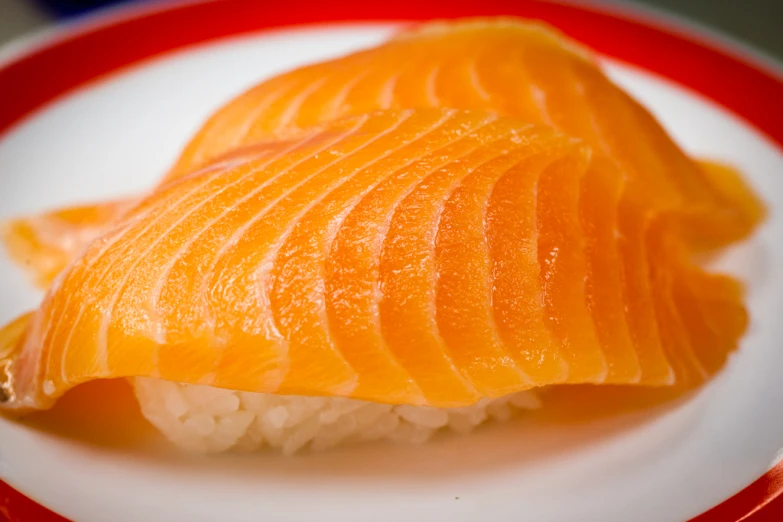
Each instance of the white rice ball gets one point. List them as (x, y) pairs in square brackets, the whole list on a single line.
[(205, 419)]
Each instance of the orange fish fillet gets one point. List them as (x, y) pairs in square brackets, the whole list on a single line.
[(504, 65), (426, 257)]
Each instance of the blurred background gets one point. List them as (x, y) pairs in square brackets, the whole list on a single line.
[(757, 22)]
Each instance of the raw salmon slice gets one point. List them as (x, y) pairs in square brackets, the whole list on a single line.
[(505, 65), (423, 257)]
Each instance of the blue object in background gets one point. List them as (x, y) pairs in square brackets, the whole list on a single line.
[(68, 8)]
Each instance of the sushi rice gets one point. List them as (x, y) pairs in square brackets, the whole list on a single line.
[(205, 419)]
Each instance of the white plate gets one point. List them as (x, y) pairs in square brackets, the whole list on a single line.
[(666, 463)]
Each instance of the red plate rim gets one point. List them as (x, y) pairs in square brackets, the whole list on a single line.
[(54, 63)]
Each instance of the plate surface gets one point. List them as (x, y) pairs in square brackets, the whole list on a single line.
[(117, 135)]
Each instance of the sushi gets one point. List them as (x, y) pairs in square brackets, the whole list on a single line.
[(382, 275), (513, 67)]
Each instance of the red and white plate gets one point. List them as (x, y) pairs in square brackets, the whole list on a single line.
[(102, 108)]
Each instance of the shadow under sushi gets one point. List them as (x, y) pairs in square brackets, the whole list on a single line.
[(577, 422)]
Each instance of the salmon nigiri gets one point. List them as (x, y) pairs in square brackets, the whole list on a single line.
[(426, 261), (504, 65)]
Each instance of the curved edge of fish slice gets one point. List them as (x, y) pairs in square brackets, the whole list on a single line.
[(543, 29), (45, 244), (24, 248), (11, 340), (728, 182)]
